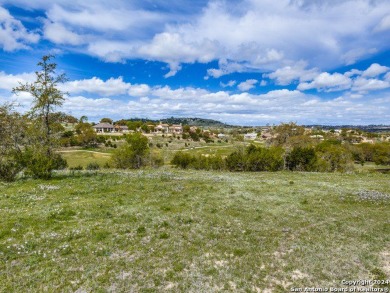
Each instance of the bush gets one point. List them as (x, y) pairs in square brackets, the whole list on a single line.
[(77, 168), (93, 166), (301, 159), (332, 157), (9, 168), (236, 161), (182, 160), (264, 159), (133, 154), (40, 164)]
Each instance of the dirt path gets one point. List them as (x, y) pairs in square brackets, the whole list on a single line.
[(94, 152)]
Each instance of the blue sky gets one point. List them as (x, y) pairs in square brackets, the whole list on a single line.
[(244, 62)]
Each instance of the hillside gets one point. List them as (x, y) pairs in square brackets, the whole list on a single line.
[(185, 231), (185, 121)]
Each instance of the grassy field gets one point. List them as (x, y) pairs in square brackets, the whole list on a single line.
[(84, 157), (167, 230)]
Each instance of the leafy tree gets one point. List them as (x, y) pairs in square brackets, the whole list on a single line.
[(12, 140), (106, 120), (285, 131), (332, 157), (183, 160), (86, 135), (236, 161), (301, 159), (43, 132), (133, 154)]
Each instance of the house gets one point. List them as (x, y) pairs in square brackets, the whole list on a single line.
[(161, 128), (121, 128), (165, 128), (176, 129), (107, 127), (103, 127), (251, 136)]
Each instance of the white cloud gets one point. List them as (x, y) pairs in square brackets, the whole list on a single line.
[(327, 82), (287, 74), (9, 81), (13, 35), (353, 72), (139, 90), (248, 35), (230, 83), (247, 85), (263, 83), (244, 108), (110, 87), (58, 34), (363, 85), (384, 24), (374, 70)]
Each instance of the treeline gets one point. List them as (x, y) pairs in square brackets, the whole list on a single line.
[(327, 156)]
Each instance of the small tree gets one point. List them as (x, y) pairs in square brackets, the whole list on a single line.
[(133, 154), (86, 135), (106, 120), (12, 139), (43, 133)]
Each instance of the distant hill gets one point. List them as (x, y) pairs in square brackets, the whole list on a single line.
[(195, 121), (185, 121), (367, 128)]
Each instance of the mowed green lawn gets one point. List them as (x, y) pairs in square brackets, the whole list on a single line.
[(83, 157), (168, 230)]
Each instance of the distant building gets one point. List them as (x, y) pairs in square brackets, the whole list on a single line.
[(176, 129), (161, 128), (165, 128), (103, 127), (107, 127), (251, 136)]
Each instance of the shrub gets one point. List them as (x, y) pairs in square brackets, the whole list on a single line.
[(9, 168), (301, 159), (333, 157), (133, 154), (264, 159), (93, 166), (182, 160), (76, 168), (236, 161), (40, 164)]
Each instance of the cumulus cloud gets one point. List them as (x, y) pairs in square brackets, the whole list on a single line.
[(13, 34), (9, 81), (247, 85), (230, 83), (157, 102), (110, 87), (327, 82), (363, 85), (247, 36), (287, 74), (374, 70), (59, 34)]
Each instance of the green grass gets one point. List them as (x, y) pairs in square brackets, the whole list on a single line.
[(83, 157), (186, 231)]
